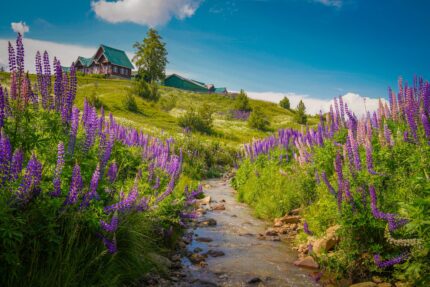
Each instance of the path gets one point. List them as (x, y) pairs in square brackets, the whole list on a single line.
[(248, 261)]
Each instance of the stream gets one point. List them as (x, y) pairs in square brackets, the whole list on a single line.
[(237, 257)]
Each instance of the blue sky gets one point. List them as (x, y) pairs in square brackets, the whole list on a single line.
[(319, 48)]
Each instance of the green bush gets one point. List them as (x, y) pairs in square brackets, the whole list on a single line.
[(301, 116), (285, 103), (168, 102), (130, 103), (147, 91), (200, 121), (258, 120), (242, 102)]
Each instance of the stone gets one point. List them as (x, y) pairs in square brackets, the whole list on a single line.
[(207, 222), (290, 219), (254, 280), (215, 253), (278, 222), (364, 284), (218, 207), (376, 279), (204, 201), (271, 232), (324, 245), (204, 239), (384, 284), (196, 258), (401, 284), (307, 262), (327, 242), (296, 211)]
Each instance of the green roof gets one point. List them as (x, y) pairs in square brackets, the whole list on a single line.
[(86, 62), (65, 69), (220, 90), (117, 57)]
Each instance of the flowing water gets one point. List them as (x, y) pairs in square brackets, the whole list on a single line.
[(248, 261)]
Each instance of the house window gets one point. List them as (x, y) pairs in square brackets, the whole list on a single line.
[(121, 71), (115, 69)]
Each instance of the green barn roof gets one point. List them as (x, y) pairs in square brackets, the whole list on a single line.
[(86, 62), (117, 57)]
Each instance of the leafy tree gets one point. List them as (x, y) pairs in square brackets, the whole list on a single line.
[(301, 116), (285, 103), (258, 120), (151, 57)]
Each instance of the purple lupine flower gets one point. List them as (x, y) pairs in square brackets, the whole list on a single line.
[(5, 157), (327, 183), (71, 95), (426, 125), (12, 58), (125, 204), (16, 165), (306, 229), (112, 172), (75, 186), (369, 158), (29, 187), (390, 262), (108, 149), (73, 130), (110, 227), (387, 135), (92, 193), (90, 125), (20, 56), (58, 86), (110, 245), (157, 183), (2, 107), (58, 170), (354, 149), (46, 95), (39, 72)]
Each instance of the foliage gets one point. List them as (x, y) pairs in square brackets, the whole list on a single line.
[(130, 103), (148, 91), (151, 57), (258, 120), (301, 116), (242, 102), (94, 99), (168, 102), (81, 203), (200, 121), (369, 176), (285, 103)]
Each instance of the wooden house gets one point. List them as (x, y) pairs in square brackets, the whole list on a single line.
[(179, 82), (106, 61)]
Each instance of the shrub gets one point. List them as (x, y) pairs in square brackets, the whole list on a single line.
[(168, 102), (258, 120), (130, 103), (242, 102), (200, 121), (93, 99), (285, 103), (301, 116), (147, 91)]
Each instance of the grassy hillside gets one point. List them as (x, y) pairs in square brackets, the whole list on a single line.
[(152, 118)]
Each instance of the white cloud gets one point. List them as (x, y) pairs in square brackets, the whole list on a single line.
[(144, 12), (20, 27), (356, 103), (66, 53), (332, 3)]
